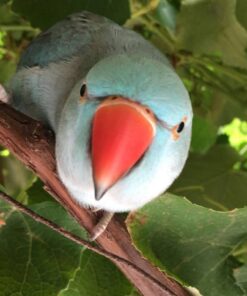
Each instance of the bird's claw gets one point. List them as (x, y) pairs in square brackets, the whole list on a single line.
[(101, 226)]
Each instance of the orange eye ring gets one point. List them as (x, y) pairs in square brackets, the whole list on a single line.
[(83, 90), (177, 129), (83, 93)]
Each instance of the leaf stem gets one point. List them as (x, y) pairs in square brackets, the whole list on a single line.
[(144, 10), (163, 37), (233, 74)]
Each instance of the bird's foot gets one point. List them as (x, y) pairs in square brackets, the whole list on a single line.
[(101, 226), (4, 96)]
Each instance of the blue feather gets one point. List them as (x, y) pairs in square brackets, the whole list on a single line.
[(111, 60)]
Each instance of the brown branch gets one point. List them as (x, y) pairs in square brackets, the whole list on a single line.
[(33, 144)]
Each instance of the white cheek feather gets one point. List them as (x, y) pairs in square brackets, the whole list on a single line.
[(154, 183), (159, 167), (121, 198), (133, 191), (153, 176)]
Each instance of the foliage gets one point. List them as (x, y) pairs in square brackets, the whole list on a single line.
[(201, 242), (190, 241), (42, 17), (212, 180), (32, 258)]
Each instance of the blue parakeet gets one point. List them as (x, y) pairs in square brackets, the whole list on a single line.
[(121, 115)]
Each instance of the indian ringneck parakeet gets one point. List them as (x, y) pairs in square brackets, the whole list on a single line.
[(121, 115)]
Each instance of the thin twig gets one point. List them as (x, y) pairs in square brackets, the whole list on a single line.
[(152, 5), (79, 240)]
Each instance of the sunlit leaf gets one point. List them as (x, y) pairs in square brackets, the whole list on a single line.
[(237, 132), (4, 153)]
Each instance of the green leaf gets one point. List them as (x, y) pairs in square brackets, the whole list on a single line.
[(237, 133), (210, 27), (4, 208), (34, 258), (37, 194), (166, 15), (241, 9), (4, 2), (6, 15), (7, 69), (241, 277), (211, 180), (44, 13), (37, 261), (191, 242), (218, 92), (2, 188), (95, 278), (204, 135), (226, 106), (16, 178)]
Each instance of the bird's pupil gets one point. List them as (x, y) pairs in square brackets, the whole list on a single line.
[(180, 127), (83, 89)]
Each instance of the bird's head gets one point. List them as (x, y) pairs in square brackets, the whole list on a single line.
[(128, 124)]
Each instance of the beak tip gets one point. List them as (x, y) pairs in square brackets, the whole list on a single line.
[(99, 193)]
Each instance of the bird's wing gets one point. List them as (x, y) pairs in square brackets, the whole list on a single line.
[(66, 39), (65, 53), (85, 35)]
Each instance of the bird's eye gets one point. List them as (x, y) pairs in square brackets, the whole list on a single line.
[(180, 127), (83, 90), (177, 129)]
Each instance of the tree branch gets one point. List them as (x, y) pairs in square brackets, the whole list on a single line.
[(33, 144)]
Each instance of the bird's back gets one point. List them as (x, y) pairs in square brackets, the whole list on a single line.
[(62, 55)]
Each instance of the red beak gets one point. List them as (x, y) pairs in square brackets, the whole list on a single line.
[(122, 131)]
